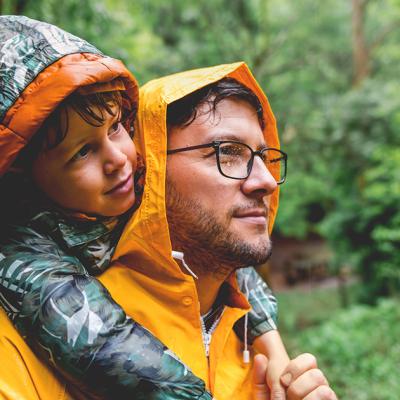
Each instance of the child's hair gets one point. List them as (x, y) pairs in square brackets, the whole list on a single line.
[(92, 108)]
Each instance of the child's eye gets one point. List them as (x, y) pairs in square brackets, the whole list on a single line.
[(115, 127), (82, 153)]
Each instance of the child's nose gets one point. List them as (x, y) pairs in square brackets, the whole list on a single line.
[(115, 160)]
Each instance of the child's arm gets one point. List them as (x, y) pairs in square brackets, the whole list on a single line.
[(262, 325), (71, 320)]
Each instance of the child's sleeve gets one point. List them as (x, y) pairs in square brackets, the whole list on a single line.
[(262, 317), (71, 321)]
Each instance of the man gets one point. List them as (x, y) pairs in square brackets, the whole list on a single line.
[(210, 204)]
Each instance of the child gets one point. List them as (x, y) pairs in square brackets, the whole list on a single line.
[(68, 208)]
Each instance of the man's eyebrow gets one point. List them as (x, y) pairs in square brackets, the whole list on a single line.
[(227, 136), (235, 138)]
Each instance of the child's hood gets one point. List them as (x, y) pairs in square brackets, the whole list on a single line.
[(40, 65), (146, 236)]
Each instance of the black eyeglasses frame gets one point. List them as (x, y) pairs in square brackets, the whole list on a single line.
[(216, 145)]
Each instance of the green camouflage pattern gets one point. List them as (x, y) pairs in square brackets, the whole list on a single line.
[(70, 319), (27, 47)]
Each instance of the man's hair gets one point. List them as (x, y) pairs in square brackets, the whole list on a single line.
[(184, 111)]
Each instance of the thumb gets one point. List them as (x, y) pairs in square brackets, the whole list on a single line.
[(260, 387), (278, 392)]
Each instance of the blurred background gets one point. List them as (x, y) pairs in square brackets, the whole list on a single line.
[(331, 70)]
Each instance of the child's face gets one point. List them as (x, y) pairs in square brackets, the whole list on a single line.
[(92, 169)]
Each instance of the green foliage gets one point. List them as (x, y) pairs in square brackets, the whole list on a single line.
[(320, 304), (341, 140), (363, 212), (359, 351), (88, 19)]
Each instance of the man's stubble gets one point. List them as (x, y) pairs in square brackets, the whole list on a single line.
[(208, 245)]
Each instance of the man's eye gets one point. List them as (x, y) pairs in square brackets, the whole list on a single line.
[(82, 153), (232, 150)]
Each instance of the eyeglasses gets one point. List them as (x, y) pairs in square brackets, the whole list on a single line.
[(235, 159)]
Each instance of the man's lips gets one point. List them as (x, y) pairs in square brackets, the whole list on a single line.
[(123, 186), (253, 216)]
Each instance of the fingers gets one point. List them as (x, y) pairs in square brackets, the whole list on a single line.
[(297, 367), (277, 392), (260, 388), (307, 383), (322, 393), (304, 381)]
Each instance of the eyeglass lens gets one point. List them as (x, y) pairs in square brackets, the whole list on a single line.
[(235, 161)]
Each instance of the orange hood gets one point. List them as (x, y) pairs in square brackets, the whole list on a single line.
[(41, 66), (146, 236)]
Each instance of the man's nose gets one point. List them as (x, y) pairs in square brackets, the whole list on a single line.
[(114, 158), (260, 182)]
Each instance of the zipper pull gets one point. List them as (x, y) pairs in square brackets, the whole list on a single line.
[(207, 341)]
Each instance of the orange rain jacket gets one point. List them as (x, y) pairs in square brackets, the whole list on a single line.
[(166, 300)]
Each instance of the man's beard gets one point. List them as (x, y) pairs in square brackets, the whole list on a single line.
[(208, 246)]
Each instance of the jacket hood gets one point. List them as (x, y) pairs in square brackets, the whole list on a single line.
[(146, 236), (40, 65)]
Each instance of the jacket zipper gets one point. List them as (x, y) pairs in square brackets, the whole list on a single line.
[(207, 336)]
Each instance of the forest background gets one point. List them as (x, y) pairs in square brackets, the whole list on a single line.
[(331, 72)]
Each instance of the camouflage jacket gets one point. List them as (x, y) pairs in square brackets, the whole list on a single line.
[(66, 315)]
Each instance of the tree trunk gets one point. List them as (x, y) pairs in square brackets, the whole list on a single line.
[(20, 6), (13, 7), (361, 56)]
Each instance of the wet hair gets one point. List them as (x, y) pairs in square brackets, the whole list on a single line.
[(92, 108), (183, 112)]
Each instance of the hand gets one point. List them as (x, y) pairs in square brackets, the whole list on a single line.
[(301, 377), (304, 381), (270, 344)]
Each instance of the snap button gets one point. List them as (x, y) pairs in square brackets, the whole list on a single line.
[(187, 300)]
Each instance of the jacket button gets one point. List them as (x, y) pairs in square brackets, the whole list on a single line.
[(187, 300)]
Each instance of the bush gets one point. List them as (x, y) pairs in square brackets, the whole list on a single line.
[(359, 351)]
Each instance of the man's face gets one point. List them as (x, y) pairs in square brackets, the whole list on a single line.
[(92, 169), (209, 214)]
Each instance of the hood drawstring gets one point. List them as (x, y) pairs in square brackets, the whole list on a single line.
[(246, 353), (178, 255)]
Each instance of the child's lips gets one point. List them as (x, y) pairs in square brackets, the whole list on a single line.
[(125, 186)]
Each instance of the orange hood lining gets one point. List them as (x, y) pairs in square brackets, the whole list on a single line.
[(49, 88)]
